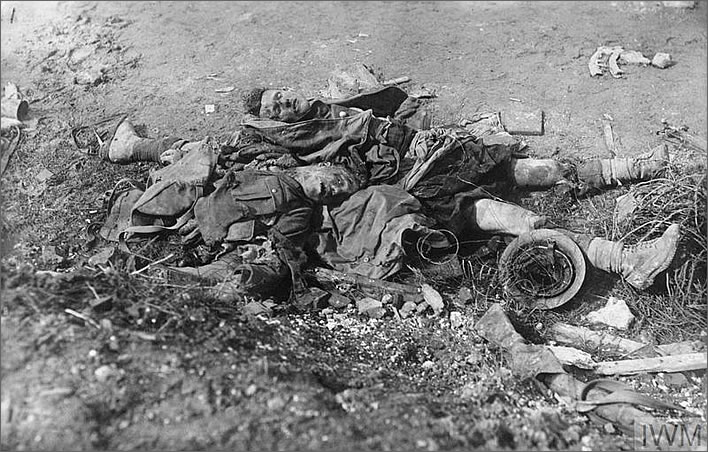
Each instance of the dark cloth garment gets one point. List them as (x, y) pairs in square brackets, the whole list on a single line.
[(370, 147), (248, 202), (365, 232), (382, 102), (453, 169)]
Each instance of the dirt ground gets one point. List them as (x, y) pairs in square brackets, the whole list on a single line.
[(168, 368)]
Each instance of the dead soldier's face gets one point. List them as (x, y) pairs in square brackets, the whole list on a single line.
[(325, 184), (281, 105)]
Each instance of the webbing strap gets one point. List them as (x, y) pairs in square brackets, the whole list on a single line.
[(618, 393)]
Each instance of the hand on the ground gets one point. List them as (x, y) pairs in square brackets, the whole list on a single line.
[(170, 156), (190, 232)]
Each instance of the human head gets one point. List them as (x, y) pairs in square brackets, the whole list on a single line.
[(325, 184), (252, 101), (283, 105)]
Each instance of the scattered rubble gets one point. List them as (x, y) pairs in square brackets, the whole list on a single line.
[(611, 400), (608, 59)]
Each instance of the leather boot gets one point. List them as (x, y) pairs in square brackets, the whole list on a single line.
[(638, 264), (503, 218), (120, 145), (642, 168), (126, 146)]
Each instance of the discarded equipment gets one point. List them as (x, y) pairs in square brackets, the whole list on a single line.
[(543, 267)]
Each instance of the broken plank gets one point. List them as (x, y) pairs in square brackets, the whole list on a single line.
[(674, 363), (371, 286), (592, 341), (609, 139), (589, 340)]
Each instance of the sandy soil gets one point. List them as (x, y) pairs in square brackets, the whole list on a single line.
[(216, 378)]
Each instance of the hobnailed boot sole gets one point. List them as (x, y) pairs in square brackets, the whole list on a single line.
[(118, 147)]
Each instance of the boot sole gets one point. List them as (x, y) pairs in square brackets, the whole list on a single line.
[(105, 147)]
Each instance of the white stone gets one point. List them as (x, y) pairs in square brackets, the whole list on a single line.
[(661, 60), (103, 373), (616, 314), (456, 320), (433, 298)]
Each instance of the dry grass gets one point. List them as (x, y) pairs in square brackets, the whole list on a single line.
[(674, 308)]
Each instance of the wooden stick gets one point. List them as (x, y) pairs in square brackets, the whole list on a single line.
[(351, 278), (609, 139), (674, 363), (590, 341), (152, 264), (396, 81), (83, 317)]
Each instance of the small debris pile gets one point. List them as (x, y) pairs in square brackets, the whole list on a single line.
[(607, 59)]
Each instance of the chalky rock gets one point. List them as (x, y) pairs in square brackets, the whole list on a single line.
[(616, 314), (370, 307), (103, 373), (456, 320), (433, 298), (661, 60)]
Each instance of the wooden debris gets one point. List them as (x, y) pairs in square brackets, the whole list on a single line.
[(585, 338), (573, 357), (609, 139), (83, 317), (680, 136), (589, 340), (396, 81), (500, 332), (143, 335), (371, 286), (673, 363)]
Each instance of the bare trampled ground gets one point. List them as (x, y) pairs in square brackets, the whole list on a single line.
[(165, 367)]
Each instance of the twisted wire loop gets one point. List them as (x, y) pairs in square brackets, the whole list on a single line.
[(425, 249), (540, 270), (543, 267)]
